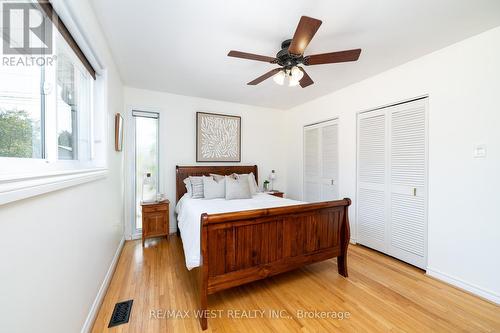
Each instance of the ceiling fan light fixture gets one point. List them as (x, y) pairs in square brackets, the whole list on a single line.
[(292, 82), (296, 73), (279, 78), (292, 54)]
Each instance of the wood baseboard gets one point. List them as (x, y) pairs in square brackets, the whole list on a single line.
[(94, 309)]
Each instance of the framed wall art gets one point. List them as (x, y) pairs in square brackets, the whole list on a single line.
[(118, 132), (218, 137)]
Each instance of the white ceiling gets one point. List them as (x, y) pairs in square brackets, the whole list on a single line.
[(180, 46)]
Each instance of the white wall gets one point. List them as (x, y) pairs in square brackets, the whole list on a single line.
[(463, 84), (56, 248), (262, 135)]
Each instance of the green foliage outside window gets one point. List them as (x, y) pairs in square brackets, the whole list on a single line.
[(16, 134)]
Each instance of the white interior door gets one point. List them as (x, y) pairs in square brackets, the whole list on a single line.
[(312, 191), (407, 230), (329, 162), (321, 161), (372, 175), (392, 181)]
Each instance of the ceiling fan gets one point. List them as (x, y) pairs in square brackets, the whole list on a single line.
[(291, 56)]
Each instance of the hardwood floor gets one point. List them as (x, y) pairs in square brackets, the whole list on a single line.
[(381, 294)]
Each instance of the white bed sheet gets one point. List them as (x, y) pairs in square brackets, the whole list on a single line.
[(189, 211)]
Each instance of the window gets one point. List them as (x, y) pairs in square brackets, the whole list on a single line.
[(21, 112), (31, 95), (51, 105), (146, 157), (73, 92)]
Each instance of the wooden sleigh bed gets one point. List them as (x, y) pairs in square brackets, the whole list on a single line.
[(245, 246)]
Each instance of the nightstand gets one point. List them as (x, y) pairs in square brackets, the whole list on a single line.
[(276, 193), (155, 219)]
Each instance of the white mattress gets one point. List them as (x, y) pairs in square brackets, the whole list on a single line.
[(189, 211)]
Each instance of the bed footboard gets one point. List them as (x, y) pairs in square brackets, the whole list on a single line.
[(245, 246)]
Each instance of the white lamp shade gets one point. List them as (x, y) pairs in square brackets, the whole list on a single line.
[(279, 78), (296, 73), (292, 82)]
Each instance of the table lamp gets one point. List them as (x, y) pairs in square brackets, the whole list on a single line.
[(272, 177)]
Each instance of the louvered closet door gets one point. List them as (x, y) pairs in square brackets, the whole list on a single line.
[(312, 190), (392, 185), (407, 229), (329, 162), (371, 212), (321, 162)]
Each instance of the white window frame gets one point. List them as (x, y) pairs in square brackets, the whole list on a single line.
[(137, 232), (131, 232), (22, 178)]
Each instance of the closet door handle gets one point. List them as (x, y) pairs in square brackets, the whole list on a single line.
[(414, 191)]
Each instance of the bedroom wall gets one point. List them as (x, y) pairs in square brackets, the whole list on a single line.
[(58, 247), (462, 82), (262, 135)]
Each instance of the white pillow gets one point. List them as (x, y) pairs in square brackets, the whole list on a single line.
[(253, 183), (189, 189), (214, 187), (237, 188), (196, 187), (254, 188), (217, 177)]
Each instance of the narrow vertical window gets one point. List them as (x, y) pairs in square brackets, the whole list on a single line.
[(146, 156)]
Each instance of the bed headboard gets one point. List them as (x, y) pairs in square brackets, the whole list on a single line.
[(182, 172)]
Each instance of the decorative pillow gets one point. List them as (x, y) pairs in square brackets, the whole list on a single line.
[(237, 188), (196, 187), (189, 189), (254, 188), (217, 177), (214, 187)]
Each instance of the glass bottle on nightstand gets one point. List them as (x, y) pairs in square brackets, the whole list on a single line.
[(149, 192)]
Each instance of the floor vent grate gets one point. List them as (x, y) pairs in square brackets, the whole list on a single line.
[(121, 313)]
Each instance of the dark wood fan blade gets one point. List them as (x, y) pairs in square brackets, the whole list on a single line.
[(244, 55), (303, 34), (332, 57), (264, 77), (306, 79)]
